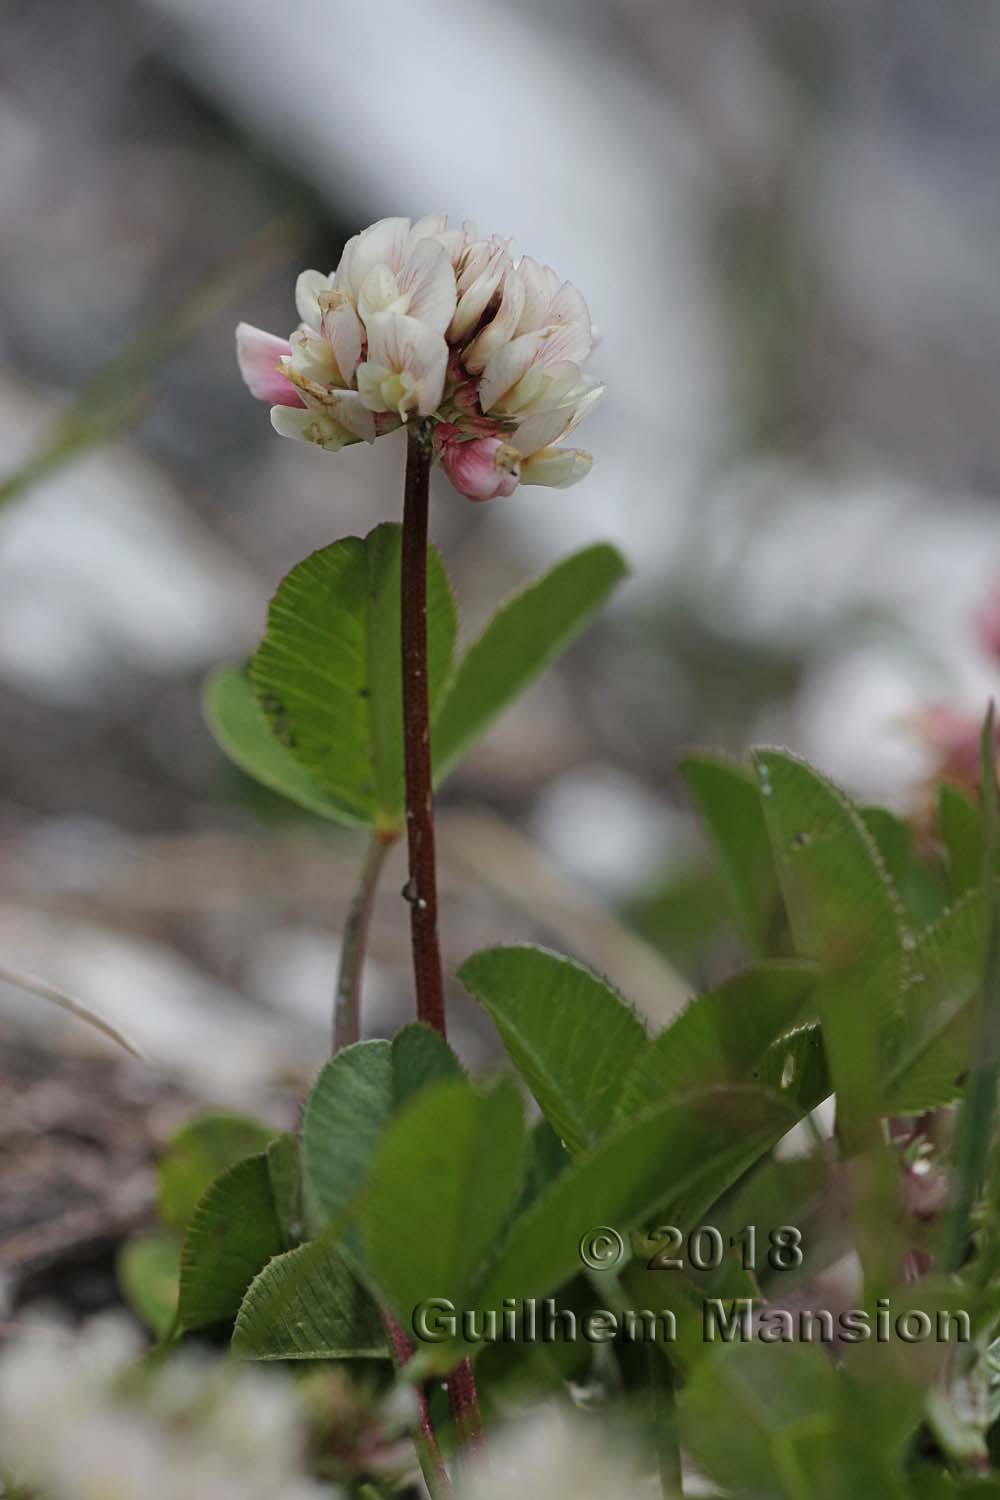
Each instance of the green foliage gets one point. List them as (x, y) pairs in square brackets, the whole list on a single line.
[(420, 1055), (843, 913), (730, 803), (960, 824), (523, 637), (149, 1270), (234, 1232), (319, 717), (348, 1108), (931, 1050), (444, 1181), (722, 1037), (306, 1304), (410, 1182), (796, 1426), (199, 1151), (241, 730), (327, 674), (893, 839), (676, 1158), (572, 1038), (352, 1102)]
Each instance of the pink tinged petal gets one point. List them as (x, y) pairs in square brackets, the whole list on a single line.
[(431, 226), (473, 302), (507, 368), (343, 276), (556, 468), (259, 354), (535, 295), (350, 411), (591, 398), (550, 424), (313, 358), (541, 430), (379, 292), (550, 282), (565, 343), (344, 329), (501, 329), (309, 426), (382, 244), (482, 470), (406, 367), (568, 306), (428, 284), (307, 291)]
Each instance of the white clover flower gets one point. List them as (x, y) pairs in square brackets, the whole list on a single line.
[(556, 1456), (79, 1422), (422, 321)]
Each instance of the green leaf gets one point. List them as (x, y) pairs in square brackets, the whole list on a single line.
[(845, 914), (420, 1056), (960, 824), (523, 637), (976, 1120), (327, 674), (678, 1157), (234, 1232), (795, 1426), (445, 1178), (720, 1037), (795, 1067), (149, 1269), (242, 732), (347, 1110), (730, 803), (570, 1035), (547, 1157), (196, 1155), (307, 1305), (894, 840), (843, 910), (932, 1049), (284, 1170)]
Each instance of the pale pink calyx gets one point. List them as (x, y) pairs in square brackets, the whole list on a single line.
[(483, 469)]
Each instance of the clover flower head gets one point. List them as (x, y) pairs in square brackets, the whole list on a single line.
[(422, 321)]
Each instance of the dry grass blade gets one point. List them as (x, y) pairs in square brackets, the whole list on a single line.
[(45, 991)]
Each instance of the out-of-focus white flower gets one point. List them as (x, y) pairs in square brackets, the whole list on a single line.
[(422, 321), (553, 1456), (79, 1422)]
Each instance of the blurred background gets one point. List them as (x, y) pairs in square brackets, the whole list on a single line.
[(786, 220)]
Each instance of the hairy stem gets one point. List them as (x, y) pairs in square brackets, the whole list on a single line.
[(421, 889), (347, 1001)]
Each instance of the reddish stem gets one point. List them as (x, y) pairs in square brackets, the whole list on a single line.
[(421, 890), (403, 1352)]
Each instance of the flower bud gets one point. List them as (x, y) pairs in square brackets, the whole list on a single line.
[(484, 469)]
